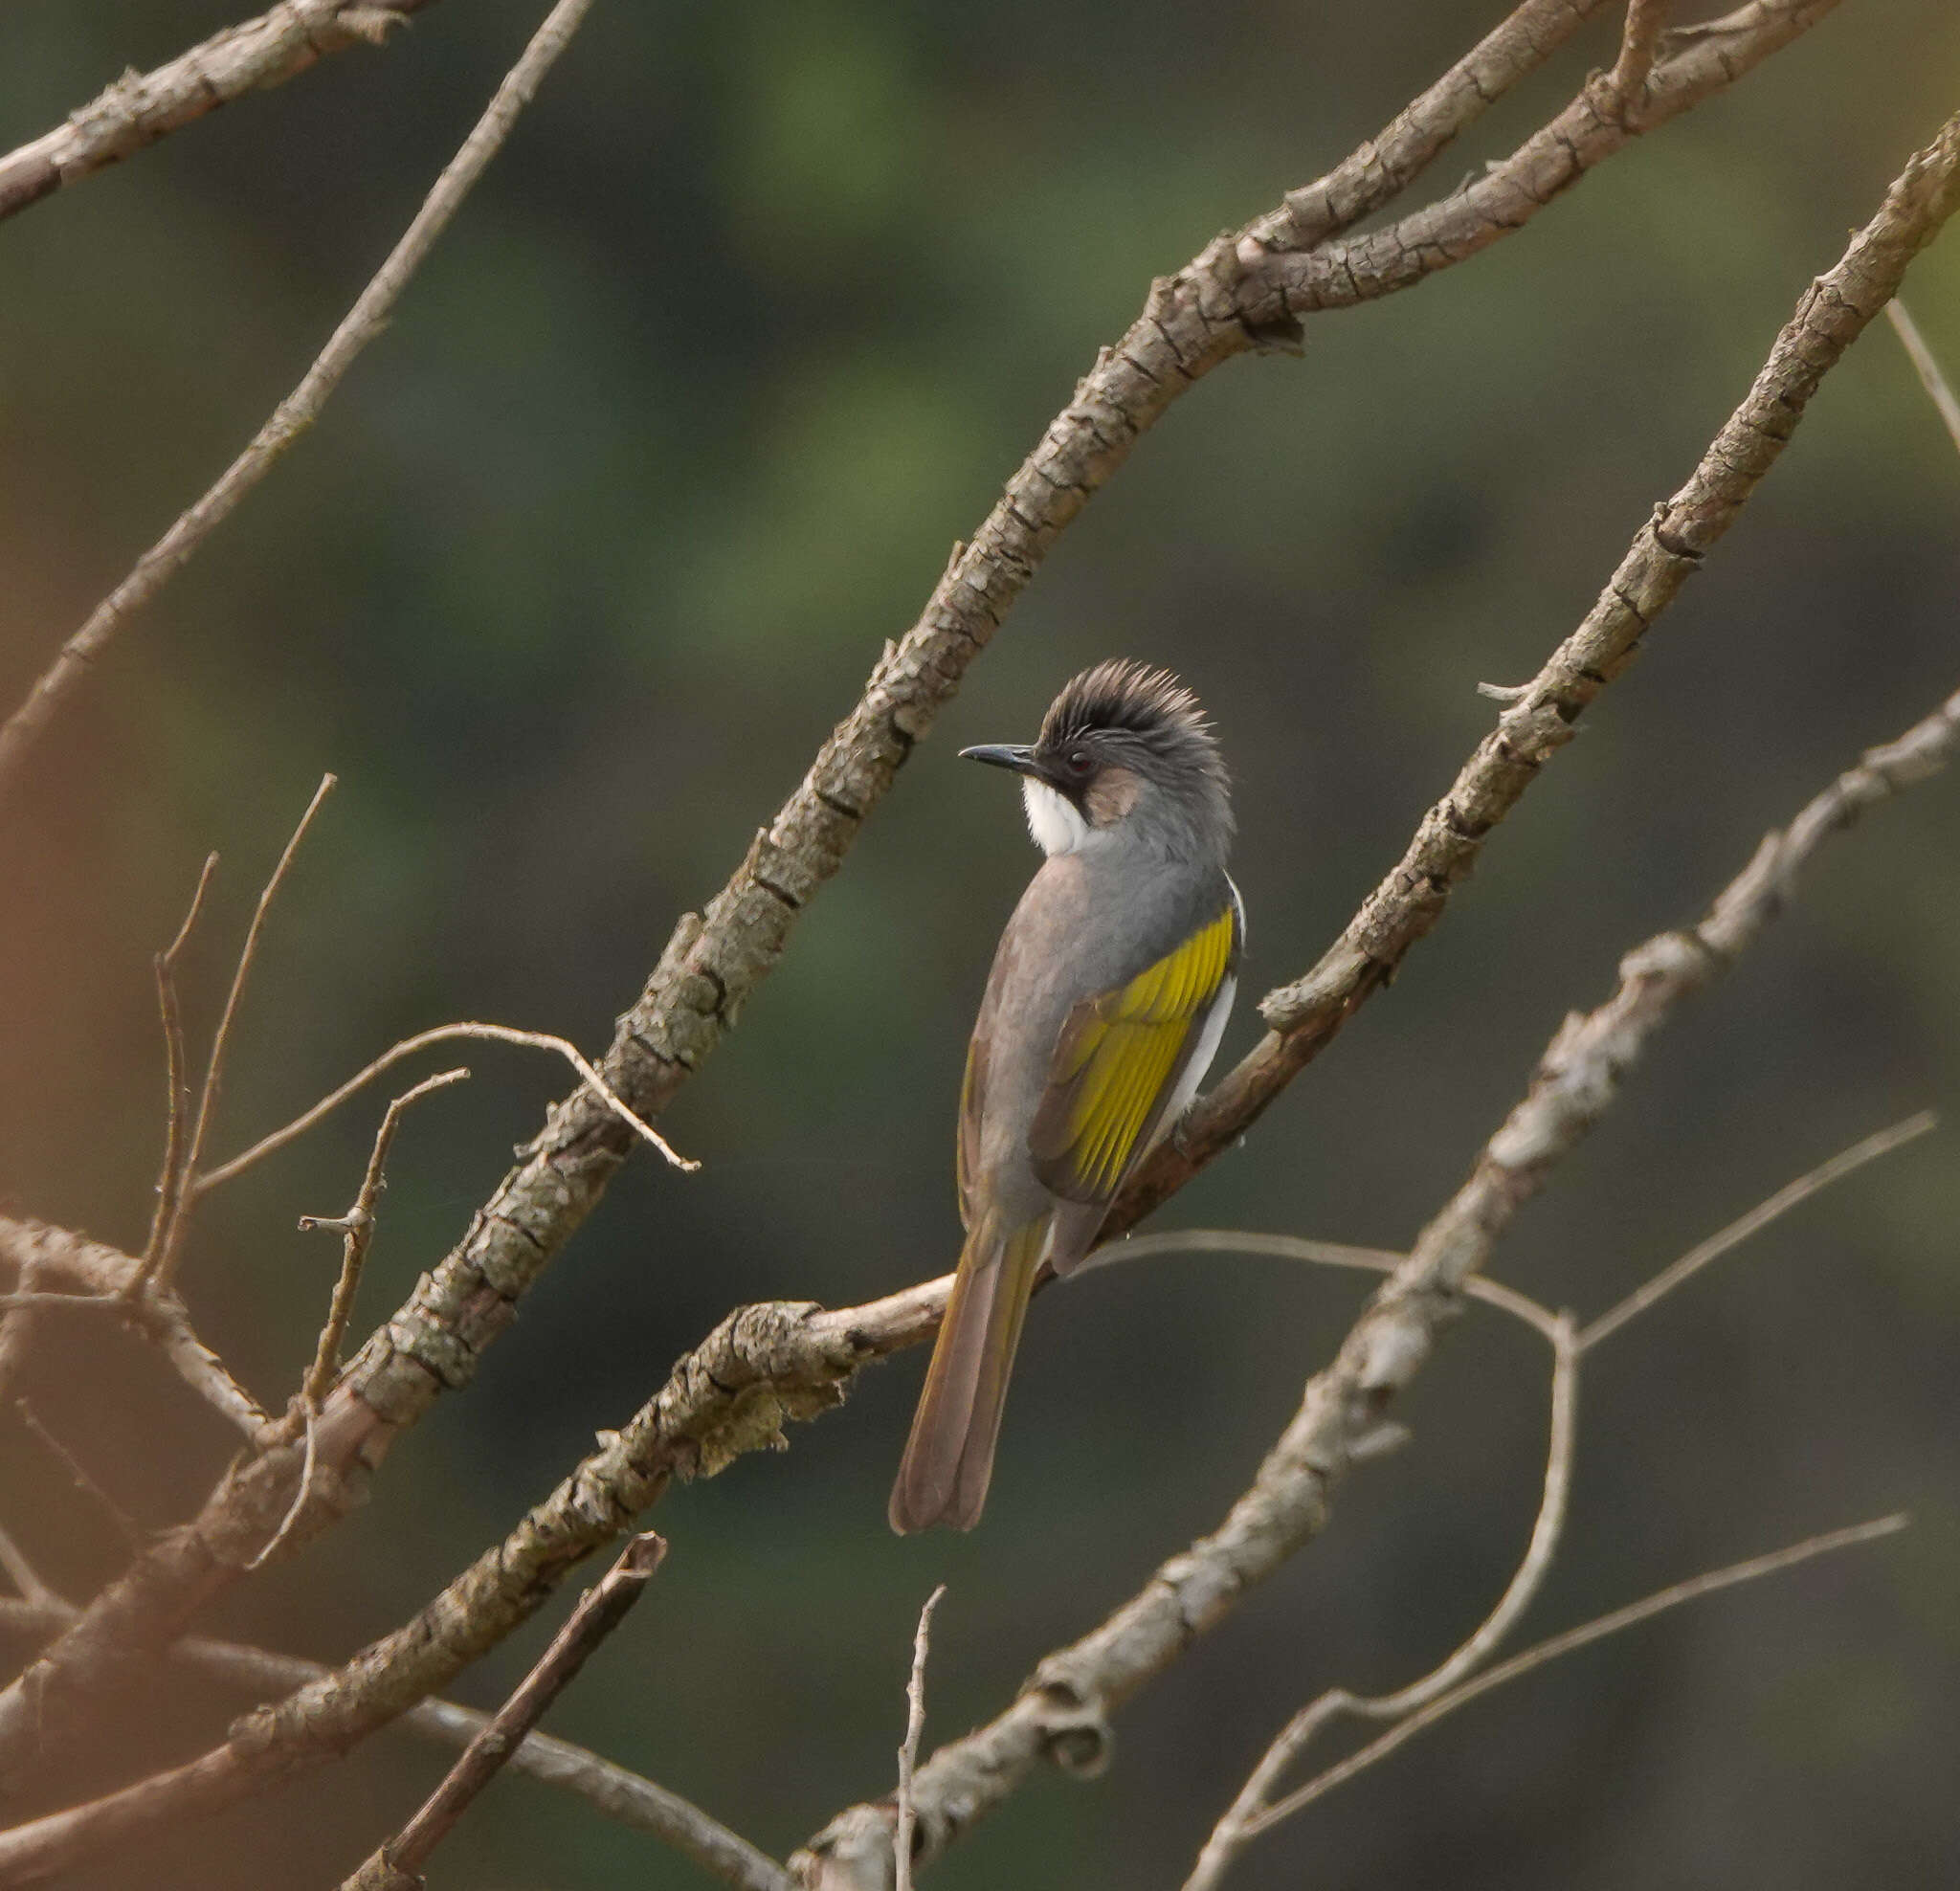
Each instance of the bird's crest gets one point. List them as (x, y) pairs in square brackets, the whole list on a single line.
[(1126, 695)]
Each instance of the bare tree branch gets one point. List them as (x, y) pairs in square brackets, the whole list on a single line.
[(619, 1793), (1572, 1640), (909, 1748), (1638, 42), (34, 1593), (1305, 1017), (1062, 1713), (357, 1227), (397, 1865), (299, 408), (104, 1275), (160, 1259), (1385, 164), (713, 961), (142, 107), (1322, 1254), (17, 1324), (79, 1474), (1237, 1828), (1922, 359)]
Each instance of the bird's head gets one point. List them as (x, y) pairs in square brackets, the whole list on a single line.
[(1125, 751)]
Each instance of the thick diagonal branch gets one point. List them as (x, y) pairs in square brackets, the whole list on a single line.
[(140, 107)]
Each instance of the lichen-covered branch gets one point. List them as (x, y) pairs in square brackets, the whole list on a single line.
[(1062, 1713), (1244, 295), (139, 108)]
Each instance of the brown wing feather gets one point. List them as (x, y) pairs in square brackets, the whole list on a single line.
[(973, 1105)]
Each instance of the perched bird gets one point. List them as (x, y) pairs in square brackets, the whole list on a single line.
[(1109, 993)]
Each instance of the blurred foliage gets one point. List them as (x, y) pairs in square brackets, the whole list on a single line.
[(743, 330)]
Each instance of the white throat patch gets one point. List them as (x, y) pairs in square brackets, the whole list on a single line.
[(1054, 820)]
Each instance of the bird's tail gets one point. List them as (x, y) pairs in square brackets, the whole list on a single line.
[(949, 1456)]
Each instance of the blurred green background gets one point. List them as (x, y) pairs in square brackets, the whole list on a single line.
[(744, 330)]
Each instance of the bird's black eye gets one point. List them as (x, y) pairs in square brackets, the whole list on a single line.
[(1078, 760)]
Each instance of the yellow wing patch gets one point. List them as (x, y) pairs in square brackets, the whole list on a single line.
[(1116, 1058)]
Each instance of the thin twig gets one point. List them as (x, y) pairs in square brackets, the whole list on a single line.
[(635, 1801), (177, 1079), (78, 1472), (441, 1033), (1641, 35), (307, 1412), (908, 1749), (170, 1244), (600, 1610), (1930, 377), (1236, 1828), (1322, 1254), (299, 408), (358, 1228), (34, 1592), (17, 1325), (103, 1275), (160, 1316), (1757, 1218), (1572, 1640)]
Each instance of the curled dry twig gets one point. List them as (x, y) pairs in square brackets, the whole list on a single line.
[(422, 1040)]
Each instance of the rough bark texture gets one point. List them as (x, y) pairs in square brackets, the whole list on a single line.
[(140, 107)]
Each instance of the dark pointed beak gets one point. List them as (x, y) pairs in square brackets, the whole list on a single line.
[(1015, 755)]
